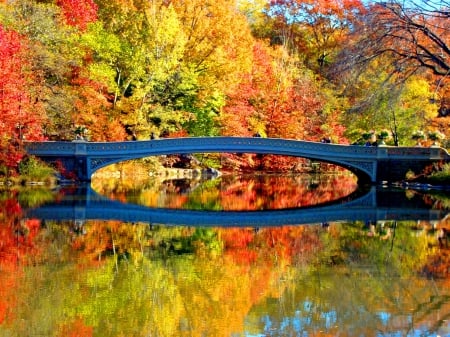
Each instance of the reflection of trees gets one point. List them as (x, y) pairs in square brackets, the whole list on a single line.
[(396, 248), (115, 278), (17, 248), (254, 192), (279, 273), (116, 282), (273, 192), (437, 200), (33, 197), (351, 302), (371, 284)]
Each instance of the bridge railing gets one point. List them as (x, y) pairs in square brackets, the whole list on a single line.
[(231, 144), (194, 144)]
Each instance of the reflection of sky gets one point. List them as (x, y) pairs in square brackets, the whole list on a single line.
[(302, 324), (330, 318), (299, 323), (384, 317)]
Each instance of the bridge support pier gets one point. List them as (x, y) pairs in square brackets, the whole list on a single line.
[(393, 170), (392, 166)]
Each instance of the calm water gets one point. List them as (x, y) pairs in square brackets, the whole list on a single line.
[(66, 272)]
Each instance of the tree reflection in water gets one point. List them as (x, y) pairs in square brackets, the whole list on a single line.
[(117, 279), (251, 192)]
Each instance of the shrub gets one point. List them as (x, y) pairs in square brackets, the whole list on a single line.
[(31, 168), (441, 177)]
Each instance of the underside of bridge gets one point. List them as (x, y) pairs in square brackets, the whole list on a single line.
[(83, 167)]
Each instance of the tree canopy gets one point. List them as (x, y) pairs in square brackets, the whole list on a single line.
[(285, 68)]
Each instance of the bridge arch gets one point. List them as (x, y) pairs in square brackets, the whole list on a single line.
[(363, 168), (84, 158), (87, 157)]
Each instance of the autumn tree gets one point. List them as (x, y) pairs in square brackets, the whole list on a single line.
[(314, 29), (78, 13), (20, 111), (411, 37), (215, 52), (276, 99), (92, 110), (381, 102), (53, 53), (270, 100), (218, 40), (414, 34), (151, 87)]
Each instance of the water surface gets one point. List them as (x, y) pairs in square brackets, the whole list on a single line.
[(75, 276)]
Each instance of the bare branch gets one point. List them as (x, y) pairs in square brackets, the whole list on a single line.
[(415, 34)]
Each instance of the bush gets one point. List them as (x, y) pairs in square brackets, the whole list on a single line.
[(31, 168), (441, 177)]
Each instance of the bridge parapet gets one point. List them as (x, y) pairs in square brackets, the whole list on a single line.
[(415, 152), (210, 144)]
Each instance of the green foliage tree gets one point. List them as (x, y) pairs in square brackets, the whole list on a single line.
[(380, 103)]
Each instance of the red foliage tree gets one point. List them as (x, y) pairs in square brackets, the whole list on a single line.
[(21, 114), (78, 13)]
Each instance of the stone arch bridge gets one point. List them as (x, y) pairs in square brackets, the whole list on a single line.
[(370, 164)]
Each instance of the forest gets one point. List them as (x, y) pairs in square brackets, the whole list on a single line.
[(301, 69)]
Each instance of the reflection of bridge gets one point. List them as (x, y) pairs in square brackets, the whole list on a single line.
[(373, 206), (371, 164)]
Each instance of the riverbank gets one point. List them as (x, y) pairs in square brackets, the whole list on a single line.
[(438, 179), (49, 181)]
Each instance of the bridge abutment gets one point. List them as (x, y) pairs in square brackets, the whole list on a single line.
[(394, 170), (394, 163)]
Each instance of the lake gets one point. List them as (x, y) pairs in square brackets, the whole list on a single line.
[(253, 256)]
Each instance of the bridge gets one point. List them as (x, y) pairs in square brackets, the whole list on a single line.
[(370, 164), (374, 205)]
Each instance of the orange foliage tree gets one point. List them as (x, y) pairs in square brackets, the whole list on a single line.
[(93, 110), (315, 28), (21, 114), (273, 101)]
